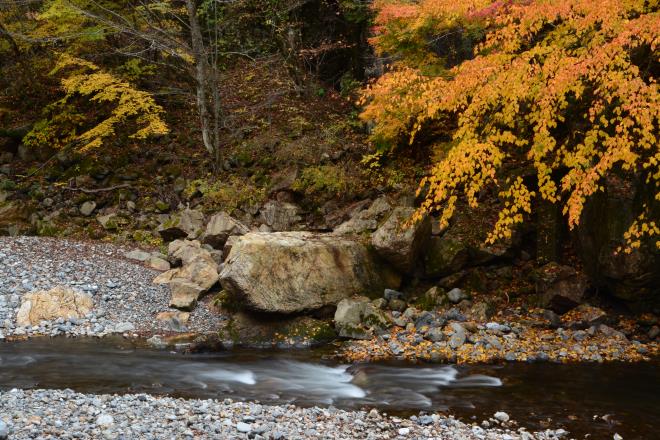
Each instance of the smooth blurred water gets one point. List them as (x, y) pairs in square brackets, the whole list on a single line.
[(569, 396)]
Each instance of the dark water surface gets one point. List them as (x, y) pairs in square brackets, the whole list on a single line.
[(596, 399)]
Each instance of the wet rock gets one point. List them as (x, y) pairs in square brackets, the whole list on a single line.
[(560, 288), (401, 244), (289, 272), (59, 302), (189, 223), (220, 228)]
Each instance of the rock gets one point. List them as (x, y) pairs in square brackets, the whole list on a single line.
[(589, 315), (391, 294), (166, 277), (404, 431), (560, 288), (138, 255), (220, 228), (458, 337), (436, 335), (456, 295), (654, 332), (365, 220), (4, 431), (182, 252), (481, 311), (105, 420), (87, 208), (501, 416), (280, 216), (186, 224), (59, 302), (201, 271), (400, 244), (445, 255), (173, 320), (184, 294), (159, 263), (124, 327), (397, 304), (243, 427), (109, 221), (633, 277), (553, 319), (357, 318), (289, 272)]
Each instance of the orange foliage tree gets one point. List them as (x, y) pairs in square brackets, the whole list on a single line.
[(565, 87)]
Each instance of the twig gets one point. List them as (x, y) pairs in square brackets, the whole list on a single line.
[(98, 190)]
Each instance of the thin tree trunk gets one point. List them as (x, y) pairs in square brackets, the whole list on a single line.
[(201, 77)]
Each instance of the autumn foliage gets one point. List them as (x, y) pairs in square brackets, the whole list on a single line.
[(566, 88)]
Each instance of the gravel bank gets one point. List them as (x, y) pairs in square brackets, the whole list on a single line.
[(125, 299), (54, 414)]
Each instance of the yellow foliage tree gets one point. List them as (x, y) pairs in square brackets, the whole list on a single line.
[(86, 80), (565, 86)]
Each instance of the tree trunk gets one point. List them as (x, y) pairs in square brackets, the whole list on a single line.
[(203, 84)]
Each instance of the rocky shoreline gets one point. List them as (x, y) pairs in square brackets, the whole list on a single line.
[(65, 414), (125, 299)]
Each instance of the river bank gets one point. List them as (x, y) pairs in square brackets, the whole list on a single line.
[(66, 414)]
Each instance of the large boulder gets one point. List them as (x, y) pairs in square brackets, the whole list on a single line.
[(288, 272), (220, 228), (560, 288), (633, 277), (48, 305), (188, 223), (399, 243)]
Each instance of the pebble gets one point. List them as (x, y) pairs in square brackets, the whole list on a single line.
[(501, 416), (66, 414)]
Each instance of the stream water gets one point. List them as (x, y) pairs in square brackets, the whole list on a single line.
[(596, 399)]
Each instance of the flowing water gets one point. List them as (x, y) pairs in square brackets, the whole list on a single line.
[(596, 399)]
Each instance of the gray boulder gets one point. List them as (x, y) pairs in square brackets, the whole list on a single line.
[(399, 243), (288, 272)]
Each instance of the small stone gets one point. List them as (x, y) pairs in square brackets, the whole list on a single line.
[(243, 427), (654, 332), (87, 208), (501, 416), (404, 431), (456, 295), (105, 420), (4, 431)]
